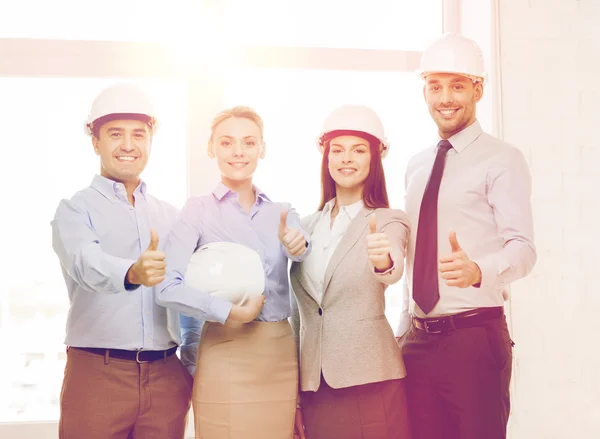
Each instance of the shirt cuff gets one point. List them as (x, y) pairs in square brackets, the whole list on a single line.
[(219, 309), (303, 255), (394, 273), (129, 286), (490, 272), (118, 273), (389, 270)]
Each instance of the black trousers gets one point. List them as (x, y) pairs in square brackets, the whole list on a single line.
[(369, 411), (458, 382)]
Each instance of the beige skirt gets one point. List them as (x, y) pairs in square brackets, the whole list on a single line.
[(246, 382)]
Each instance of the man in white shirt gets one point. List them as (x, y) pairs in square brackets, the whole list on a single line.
[(468, 200)]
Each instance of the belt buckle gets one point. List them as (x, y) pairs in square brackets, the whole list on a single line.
[(137, 357), (426, 324)]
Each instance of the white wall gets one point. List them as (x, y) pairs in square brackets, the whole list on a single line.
[(550, 69)]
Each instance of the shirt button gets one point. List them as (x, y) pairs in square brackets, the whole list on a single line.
[(320, 312), (147, 313), (147, 340)]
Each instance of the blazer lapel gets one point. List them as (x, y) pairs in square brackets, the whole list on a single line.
[(354, 232)]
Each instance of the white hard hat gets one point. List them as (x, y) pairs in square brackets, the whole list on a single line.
[(453, 53), (357, 120), (227, 270), (121, 100)]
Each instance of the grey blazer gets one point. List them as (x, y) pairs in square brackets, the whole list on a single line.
[(347, 336)]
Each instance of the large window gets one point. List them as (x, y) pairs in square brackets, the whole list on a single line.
[(294, 62), (110, 20), (352, 24)]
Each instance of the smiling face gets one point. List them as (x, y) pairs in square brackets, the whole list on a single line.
[(452, 101), (237, 145), (124, 149), (349, 161)]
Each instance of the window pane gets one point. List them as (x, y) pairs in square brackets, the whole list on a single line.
[(357, 24), (46, 157), (294, 104), (109, 20), (376, 24)]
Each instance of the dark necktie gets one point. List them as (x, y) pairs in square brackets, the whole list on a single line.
[(426, 291)]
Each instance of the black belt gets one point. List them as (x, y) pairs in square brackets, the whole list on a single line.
[(137, 356), (467, 319)]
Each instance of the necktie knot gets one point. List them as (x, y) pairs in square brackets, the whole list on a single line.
[(444, 144)]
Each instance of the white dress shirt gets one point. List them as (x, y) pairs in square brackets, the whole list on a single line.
[(485, 198), (325, 238)]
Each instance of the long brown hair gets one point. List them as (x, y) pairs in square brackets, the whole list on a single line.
[(374, 192)]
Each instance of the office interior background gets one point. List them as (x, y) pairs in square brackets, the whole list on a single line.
[(294, 62)]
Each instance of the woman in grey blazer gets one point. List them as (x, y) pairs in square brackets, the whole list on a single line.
[(351, 369)]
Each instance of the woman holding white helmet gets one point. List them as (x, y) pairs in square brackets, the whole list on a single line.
[(246, 377), (351, 370)]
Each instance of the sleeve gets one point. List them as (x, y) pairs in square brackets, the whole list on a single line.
[(295, 324), (307, 222), (80, 252), (295, 317), (509, 194), (397, 228), (191, 328), (405, 318), (293, 221), (173, 292)]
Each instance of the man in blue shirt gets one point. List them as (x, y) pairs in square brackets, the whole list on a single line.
[(122, 379)]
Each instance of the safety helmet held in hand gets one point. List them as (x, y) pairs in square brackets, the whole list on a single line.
[(453, 53), (354, 120), (121, 101), (227, 270)]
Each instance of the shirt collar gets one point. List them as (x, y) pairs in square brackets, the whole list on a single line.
[(465, 137), (221, 191), (350, 211), (110, 188)]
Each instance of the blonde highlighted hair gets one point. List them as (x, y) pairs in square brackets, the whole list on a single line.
[(239, 111)]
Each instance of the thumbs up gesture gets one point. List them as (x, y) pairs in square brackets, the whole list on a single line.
[(457, 269), (149, 269), (291, 238), (378, 247)]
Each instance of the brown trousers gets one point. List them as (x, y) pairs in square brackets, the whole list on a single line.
[(458, 382), (121, 399)]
